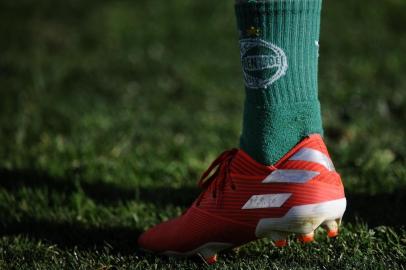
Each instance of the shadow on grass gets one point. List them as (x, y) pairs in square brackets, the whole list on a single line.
[(122, 240), (375, 210), (100, 192), (379, 209)]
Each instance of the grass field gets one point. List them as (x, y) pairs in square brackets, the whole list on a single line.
[(110, 110)]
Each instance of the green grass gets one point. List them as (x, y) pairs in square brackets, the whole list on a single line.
[(110, 110)]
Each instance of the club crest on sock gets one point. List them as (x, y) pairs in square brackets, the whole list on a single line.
[(262, 62)]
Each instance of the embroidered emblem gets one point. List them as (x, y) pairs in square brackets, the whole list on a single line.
[(262, 62)]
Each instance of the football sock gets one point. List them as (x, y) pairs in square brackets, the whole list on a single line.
[(279, 56)]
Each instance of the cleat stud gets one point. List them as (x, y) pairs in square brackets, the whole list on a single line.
[(208, 255), (332, 233), (281, 243), (211, 260), (331, 226), (306, 238), (279, 238)]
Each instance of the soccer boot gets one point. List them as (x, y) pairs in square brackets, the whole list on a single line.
[(243, 200)]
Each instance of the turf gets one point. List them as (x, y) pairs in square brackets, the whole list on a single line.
[(110, 110)]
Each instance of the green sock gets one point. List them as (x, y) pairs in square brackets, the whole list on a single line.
[(279, 51)]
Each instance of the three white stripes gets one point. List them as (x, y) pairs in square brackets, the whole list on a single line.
[(289, 176)]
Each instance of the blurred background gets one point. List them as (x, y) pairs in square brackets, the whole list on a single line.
[(110, 110)]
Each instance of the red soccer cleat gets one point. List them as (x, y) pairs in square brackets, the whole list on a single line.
[(243, 200)]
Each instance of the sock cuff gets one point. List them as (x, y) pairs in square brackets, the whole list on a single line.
[(268, 141)]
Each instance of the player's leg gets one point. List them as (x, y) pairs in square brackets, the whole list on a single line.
[(246, 198), (279, 51)]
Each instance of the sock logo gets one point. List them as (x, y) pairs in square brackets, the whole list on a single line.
[(262, 62)]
